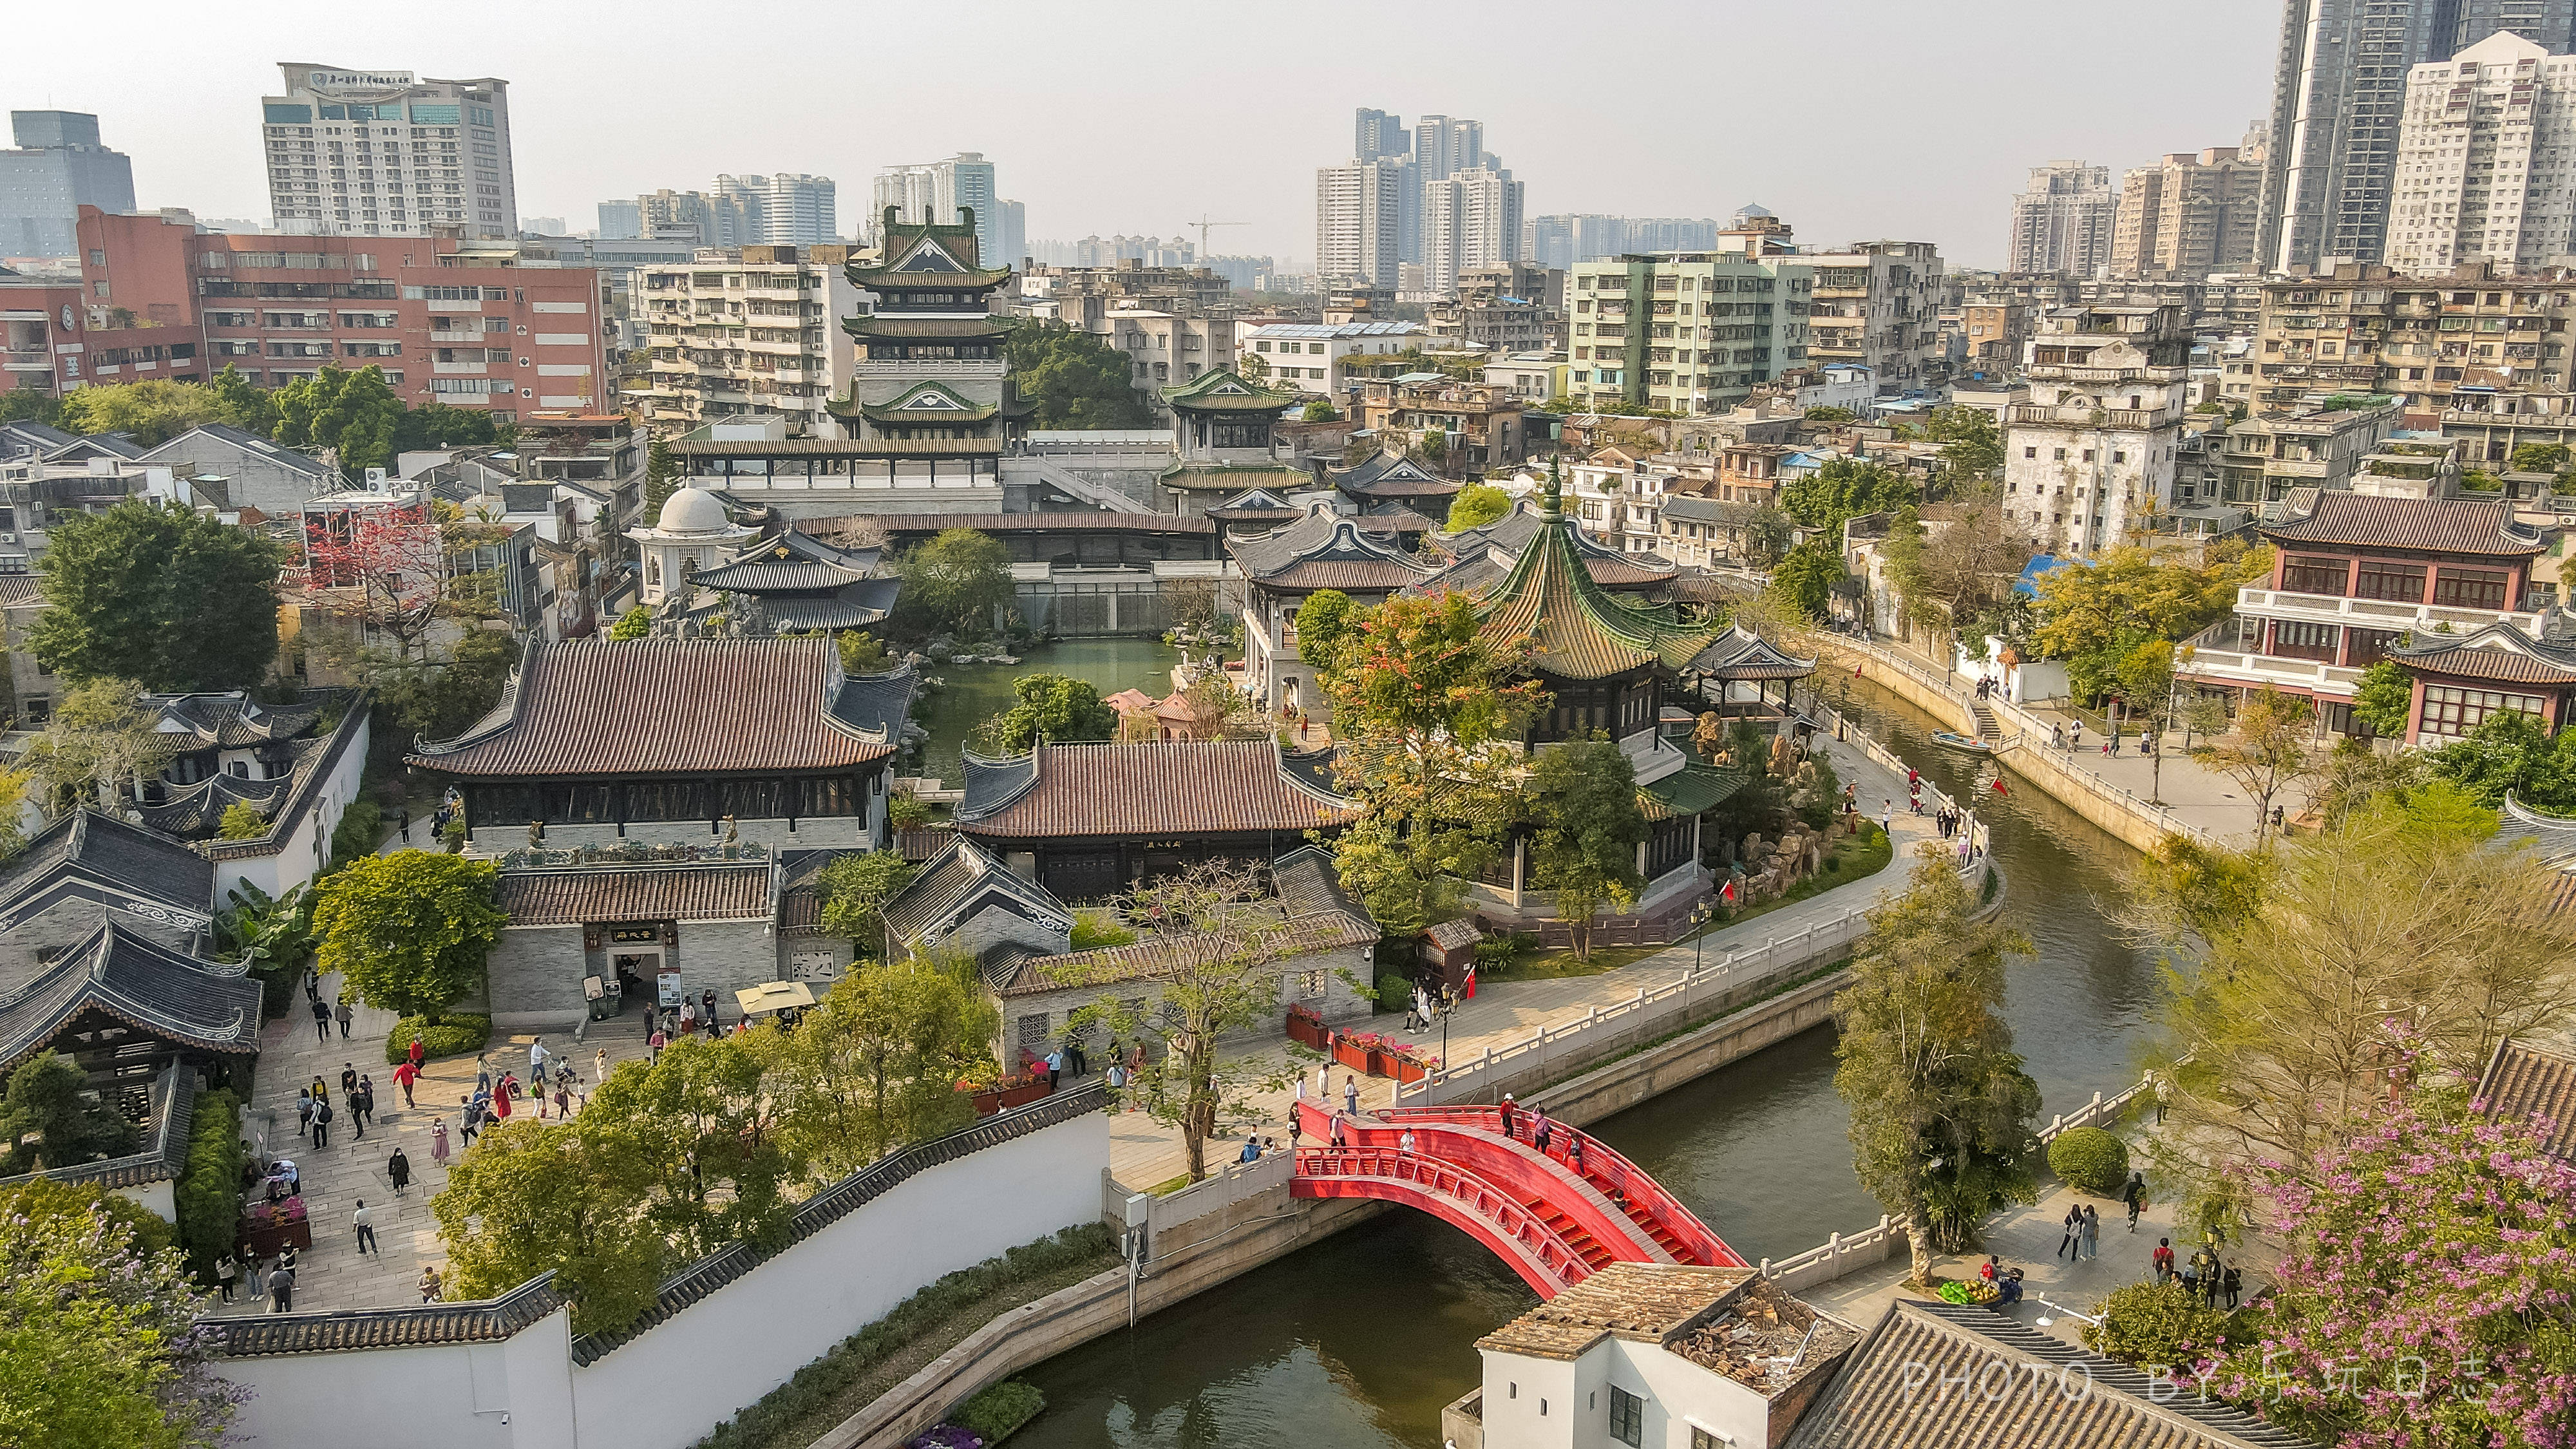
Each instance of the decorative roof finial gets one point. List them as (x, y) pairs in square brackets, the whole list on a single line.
[(1551, 503)]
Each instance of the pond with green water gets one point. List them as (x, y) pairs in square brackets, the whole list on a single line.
[(977, 692)]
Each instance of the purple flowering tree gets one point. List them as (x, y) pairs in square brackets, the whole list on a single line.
[(2428, 1296)]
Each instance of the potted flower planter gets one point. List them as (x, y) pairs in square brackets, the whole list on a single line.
[(1306, 1030), (1382, 1063), (1408, 1069), (1351, 1054)]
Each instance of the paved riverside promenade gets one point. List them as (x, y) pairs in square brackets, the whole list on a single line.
[(1144, 1154)]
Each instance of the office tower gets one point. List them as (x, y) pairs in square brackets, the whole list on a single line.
[(1015, 235), (2188, 215), (2550, 23), (1379, 133), (933, 192), (2062, 223), (1470, 218), (383, 153), (620, 221), (693, 216), (57, 167), (2482, 160), (1442, 145), (782, 210), (1358, 216)]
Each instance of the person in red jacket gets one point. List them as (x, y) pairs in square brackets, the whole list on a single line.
[(404, 1076)]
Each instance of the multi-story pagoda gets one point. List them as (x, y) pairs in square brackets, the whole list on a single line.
[(1222, 430), (928, 387), (1609, 665)]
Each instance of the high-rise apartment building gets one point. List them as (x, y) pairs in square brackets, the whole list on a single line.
[(747, 331), (1359, 208), (1015, 234), (783, 209), (1685, 332), (1379, 133), (1564, 239), (2092, 457), (934, 192), (693, 216), (57, 167), (1877, 304), (2550, 23), (2189, 215), (383, 153), (620, 221), (1470, 218), (2484, 164), (2062, 224)]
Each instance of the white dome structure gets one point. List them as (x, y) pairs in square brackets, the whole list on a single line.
[(692, 510)]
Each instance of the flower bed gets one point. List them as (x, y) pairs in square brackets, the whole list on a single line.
[(1351, 1050), (1306, 1026)]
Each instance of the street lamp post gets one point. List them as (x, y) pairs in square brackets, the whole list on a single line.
[(1700, 916)]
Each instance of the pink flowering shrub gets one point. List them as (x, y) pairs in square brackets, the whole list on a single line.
[(2425, 1299)]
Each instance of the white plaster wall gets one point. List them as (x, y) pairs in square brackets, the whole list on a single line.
[(810, 832), (306, 849), (161, 1197), (514, 1394), (666, 1389), (1677, 1392), (1530, 1403)]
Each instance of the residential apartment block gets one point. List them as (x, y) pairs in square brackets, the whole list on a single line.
[(2062, 224), (1685, 332), (752, 330), (1310, 356), (56, 166), (383, 153), (1876, 303), (779, 210), (2368, 329), (2486, 159), (2091, 457), (942, 192), (2189, 215), (446, 322), (1513, 306), (2262, 459), (1470, 218), (1360, 210)]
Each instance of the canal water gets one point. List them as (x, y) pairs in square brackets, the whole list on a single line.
[(977, 692), (1359, 1340)]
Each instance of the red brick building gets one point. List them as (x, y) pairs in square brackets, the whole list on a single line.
[(160, 298)]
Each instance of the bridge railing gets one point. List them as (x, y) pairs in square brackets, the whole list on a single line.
[(1601, 1160), (1504, 1216), (1648, 1013)]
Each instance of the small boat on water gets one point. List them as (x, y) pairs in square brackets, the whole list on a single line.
[(1960, 742)]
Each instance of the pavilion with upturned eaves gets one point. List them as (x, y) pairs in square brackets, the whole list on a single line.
[(1223, 435)]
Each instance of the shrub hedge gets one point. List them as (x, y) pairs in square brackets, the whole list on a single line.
[(2090, 1158), (357, 831), (208, 1194), (999, 1410), (770, 1421), (454, 1036)]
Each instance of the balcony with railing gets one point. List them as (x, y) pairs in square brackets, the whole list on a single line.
[(2083, 417), (2261, 603)]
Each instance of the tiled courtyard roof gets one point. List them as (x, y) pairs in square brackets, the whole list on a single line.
[(1104, 791), (663, 892), (2433, 525)]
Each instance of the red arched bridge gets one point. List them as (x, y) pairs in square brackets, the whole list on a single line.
[(1556, 1216)]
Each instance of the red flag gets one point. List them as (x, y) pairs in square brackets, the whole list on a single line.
[(1728, 894), (1470, 990), (1999, 786)]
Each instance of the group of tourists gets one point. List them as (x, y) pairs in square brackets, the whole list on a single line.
[(2204, 1274)]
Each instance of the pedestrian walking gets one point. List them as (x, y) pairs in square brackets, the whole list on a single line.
[(365, 1222), (398, 1172), (281, 1289), (1323, 1078), (312, 988), (1054, 1067), (402, 822), (2135, 1195), (2073, 1224), (1351, 1093), (1542, 1131), (2234, 1283), (1339, 1139), (563, 1100), (1887, 817), (253, 1274), (358, 1113), (303, 1110), (482, 1073), (430, 1287), (1404, 1143), (321, 1019), (688, 1017), (599, 1067), (1509, 1110), (227, 1273), (537, 1059), (1574, 1151), (438, 1142), (2057, 737), (322, 1123), (2164, 1096), (2091, 1244), (343, 1015), (653, 1047), (471, 1121)]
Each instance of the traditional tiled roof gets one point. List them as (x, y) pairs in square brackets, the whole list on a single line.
[(1482, 556), (101, 848), (141, 982), (2553, 837), (195, 811), (926, 254), (792, 560), (1742, 654), (679, 706), (1384, 475), (929, 402), (2432, 525), (1215, 787), (1223, 390), (18, 590), (1312, 913), (2498, 652), (2527, 1079), (962, 327), (1310, 884), (488, 1320), (1085, 520), (1326, 551), (1200, 475), (1575, 629), (1691, 790), (1450, 935), (1641, 1302), (232, 721), (963, 881), (570, 895), (835, 447), (1255, 505)]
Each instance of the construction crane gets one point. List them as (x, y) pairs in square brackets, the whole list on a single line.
[(1203, 224)]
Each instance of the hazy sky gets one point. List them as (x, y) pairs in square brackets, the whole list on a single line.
[(1862, 118)]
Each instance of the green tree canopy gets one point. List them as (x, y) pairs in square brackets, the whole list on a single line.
[(1804, 581), (2104, 609), (1323, 621), (2384, 699), (1843, 489), (244, 404), (98, 741), (161, 595), (533, 1198), (1830, 415), (952, 584), (1056, 708), (1972, 451), (1072, 379), (853, 887), (28, 403), (354, 412), (1940, 1106), (51, 1118), (96, 1352), (861, 653), (436, 425), (635, 623), (2539, 458), (152, 412), (1476, 505), (408, 931), (876, 1064), (661, 477), (1582, 796), (2511, 753), (1319, 411)]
